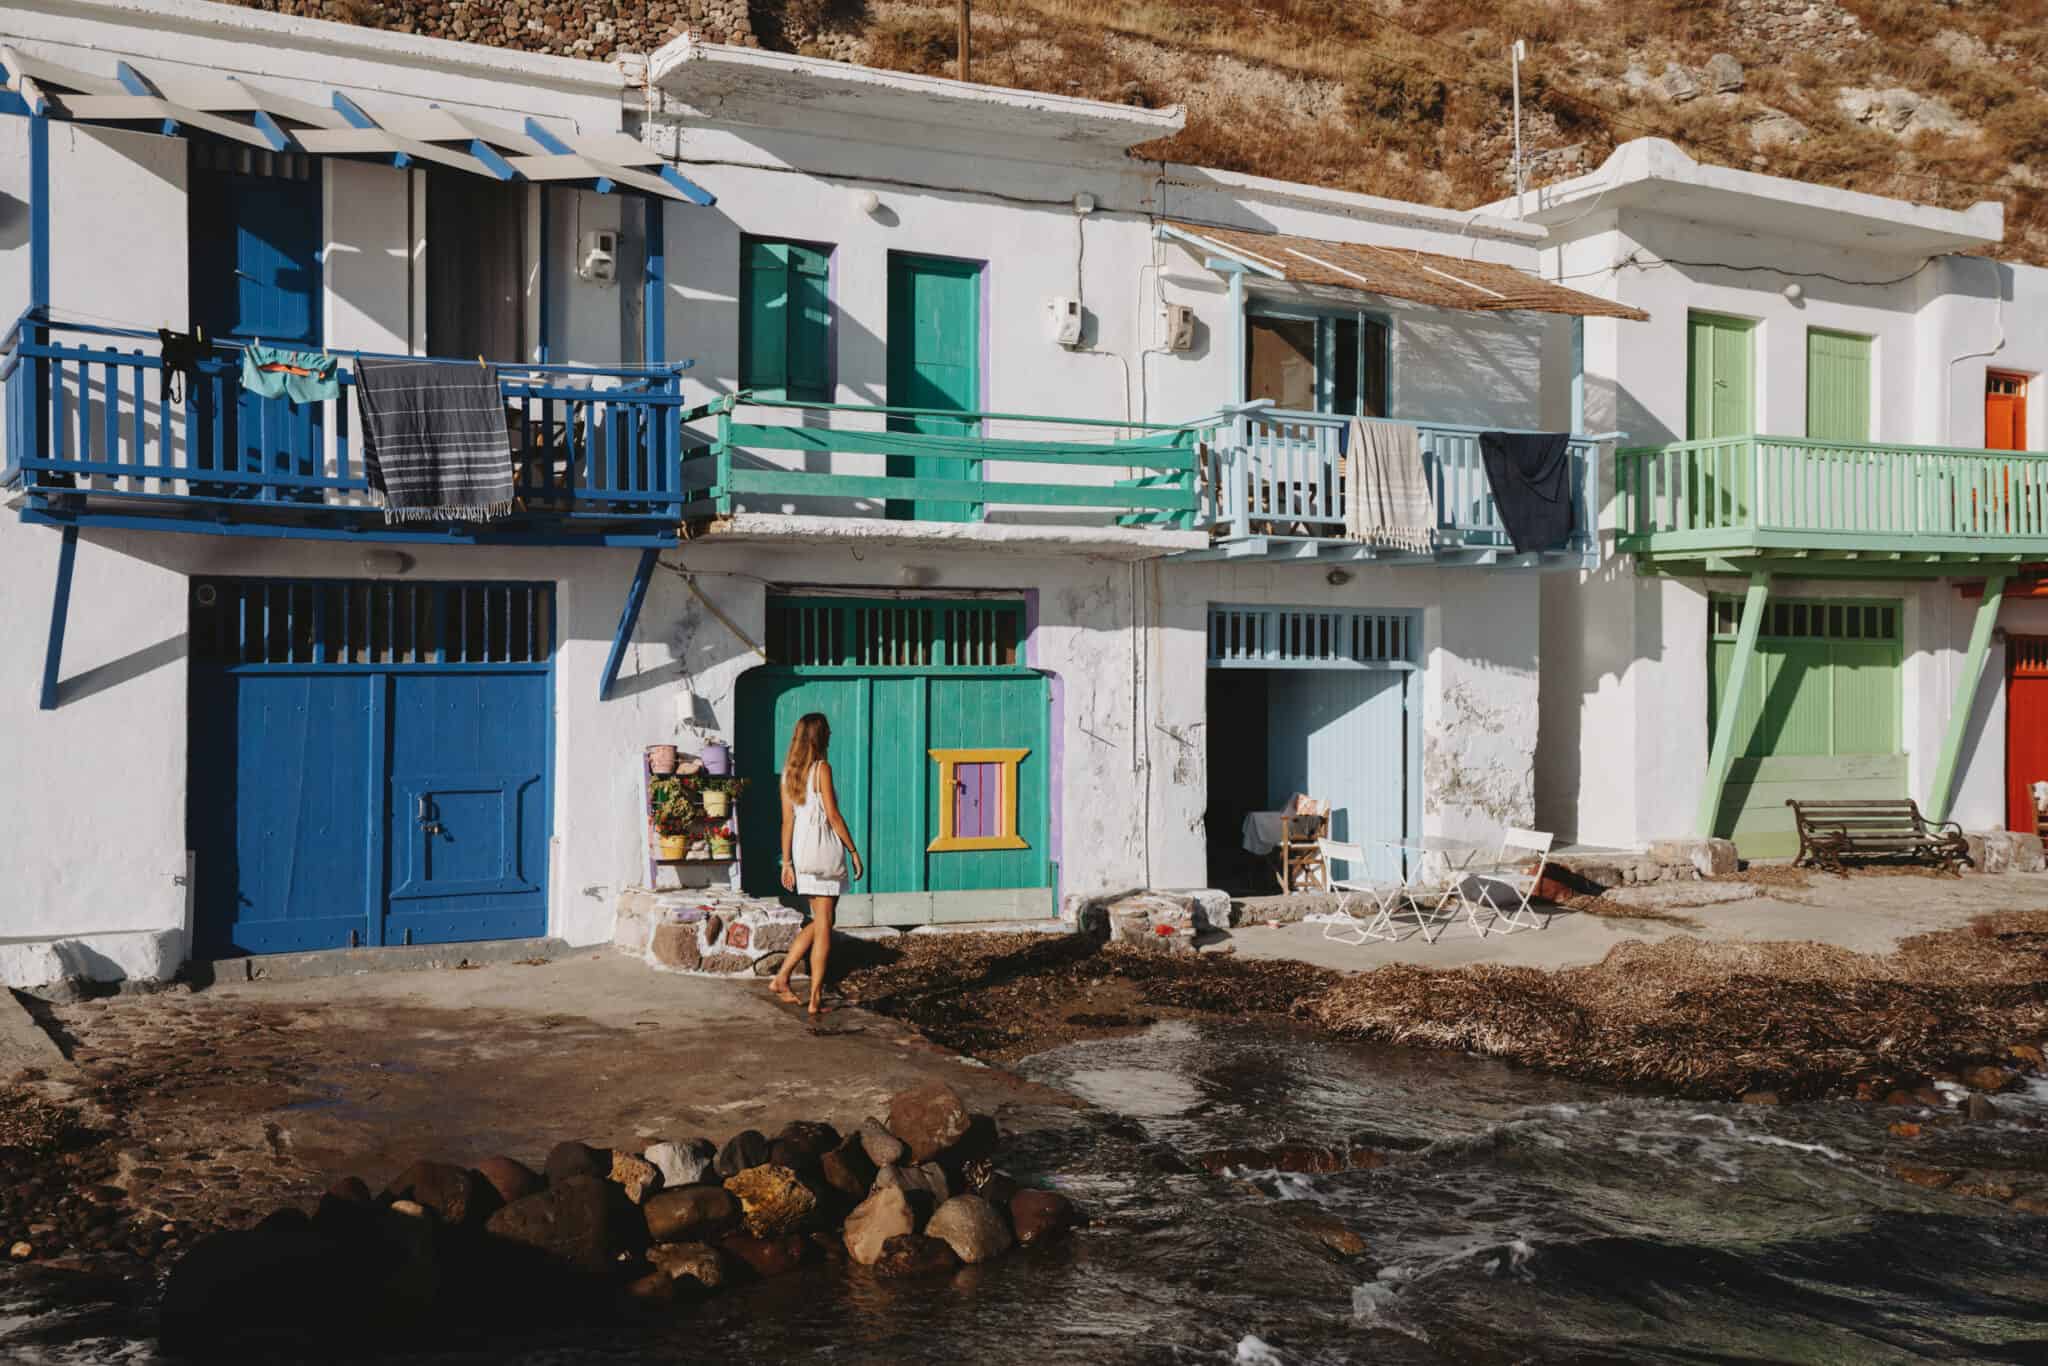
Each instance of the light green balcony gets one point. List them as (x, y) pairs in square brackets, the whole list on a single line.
[(1742, 503)]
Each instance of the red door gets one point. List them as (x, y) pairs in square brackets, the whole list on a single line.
[(2026, 727), (2005, 412)]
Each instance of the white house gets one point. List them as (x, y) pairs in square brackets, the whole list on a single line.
[(1827, 402)]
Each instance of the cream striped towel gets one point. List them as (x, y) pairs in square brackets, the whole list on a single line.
[(434, 438), (1390, 503)]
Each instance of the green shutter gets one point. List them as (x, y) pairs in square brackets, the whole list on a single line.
[(1837, 386), (786, 320), (810, 324), (764, 313), (1719, 387)]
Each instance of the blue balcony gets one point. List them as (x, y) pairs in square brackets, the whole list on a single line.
[(93, 439)]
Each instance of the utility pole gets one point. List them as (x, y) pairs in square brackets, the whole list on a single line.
[(1519, 51), (965, 37)]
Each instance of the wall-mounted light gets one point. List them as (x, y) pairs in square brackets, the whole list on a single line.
[(1084, 203), (386, 562), (868, 202), (917, 575), (1337, 578), (1794, 292)]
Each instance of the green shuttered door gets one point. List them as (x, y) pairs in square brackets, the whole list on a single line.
[(1837, 386), (1820, 717), (898, 680), (1720, 377), (785, 320), (934, 362)]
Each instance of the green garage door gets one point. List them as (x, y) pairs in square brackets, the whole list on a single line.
[(939, 753), (1820, 717)]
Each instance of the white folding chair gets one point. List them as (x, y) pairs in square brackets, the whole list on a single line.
[(1382, 895), (1508, 884)]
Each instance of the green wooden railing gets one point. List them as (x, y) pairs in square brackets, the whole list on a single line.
[(1147, 479), (1769, 492)]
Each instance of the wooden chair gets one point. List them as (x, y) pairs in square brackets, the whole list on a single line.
[(1304, 825)]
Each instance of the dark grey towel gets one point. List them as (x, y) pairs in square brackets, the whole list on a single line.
[(434, 440), (1531, 476)]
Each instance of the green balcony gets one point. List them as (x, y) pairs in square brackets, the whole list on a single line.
[(1743, 503)]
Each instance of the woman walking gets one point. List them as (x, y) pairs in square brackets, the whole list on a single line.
[(815, 850)]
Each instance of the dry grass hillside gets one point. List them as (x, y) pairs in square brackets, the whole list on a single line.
[(1941, 101)]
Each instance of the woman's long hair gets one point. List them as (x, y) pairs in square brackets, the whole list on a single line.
[(807, 745)]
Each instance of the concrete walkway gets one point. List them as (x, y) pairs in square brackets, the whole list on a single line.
[(1866, 912)]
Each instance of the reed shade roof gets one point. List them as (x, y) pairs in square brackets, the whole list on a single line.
[(1396, 273)]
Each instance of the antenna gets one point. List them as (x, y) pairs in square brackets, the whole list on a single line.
[(1519, 53)]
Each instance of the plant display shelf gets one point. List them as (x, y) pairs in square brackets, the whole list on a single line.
[(698, 824)]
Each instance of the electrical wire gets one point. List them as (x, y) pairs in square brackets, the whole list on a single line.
[(1634, 259)]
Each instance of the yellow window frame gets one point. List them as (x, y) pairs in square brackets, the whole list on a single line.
[(949, 840)]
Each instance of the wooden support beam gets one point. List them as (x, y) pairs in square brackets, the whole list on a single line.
[(1728, 714), (1942, 798), (629, 617), (60, 611)]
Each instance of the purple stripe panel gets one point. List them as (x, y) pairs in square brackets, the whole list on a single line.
[(977, 800)]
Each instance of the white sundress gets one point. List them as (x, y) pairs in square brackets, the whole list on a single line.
[(814, 831)]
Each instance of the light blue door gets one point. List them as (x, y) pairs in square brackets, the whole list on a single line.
[(1342, 736), (368, 763)]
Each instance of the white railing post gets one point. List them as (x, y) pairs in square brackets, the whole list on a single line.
[(1240, 483)]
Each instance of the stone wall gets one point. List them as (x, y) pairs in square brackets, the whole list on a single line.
[(600, 29), (709, 930)]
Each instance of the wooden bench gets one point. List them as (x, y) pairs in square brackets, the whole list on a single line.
[(1832, 831)]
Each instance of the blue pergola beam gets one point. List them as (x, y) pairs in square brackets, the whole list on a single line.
[(60, 611), (354, 114), (629, 617)]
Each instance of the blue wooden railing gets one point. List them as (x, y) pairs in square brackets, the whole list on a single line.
[(88, 418), (1281, 474)]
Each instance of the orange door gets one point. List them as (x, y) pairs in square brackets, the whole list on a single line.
[(2026, 727), (2005, 412)]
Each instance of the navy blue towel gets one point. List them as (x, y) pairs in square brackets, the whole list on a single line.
[(1531, 476)]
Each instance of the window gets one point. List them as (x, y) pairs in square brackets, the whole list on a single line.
[(977, 800), (476, 267), (1317, 362), (2005, 412), (786, 319)]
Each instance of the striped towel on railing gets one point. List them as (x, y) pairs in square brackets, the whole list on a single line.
[(435, 442), (1388, 502)]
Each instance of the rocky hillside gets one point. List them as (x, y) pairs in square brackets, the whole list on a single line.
[(1941, 101)]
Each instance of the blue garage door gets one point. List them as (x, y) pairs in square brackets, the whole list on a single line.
[(368, 763)]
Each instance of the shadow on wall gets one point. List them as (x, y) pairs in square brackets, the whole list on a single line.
[(1476, 369), (127, 668)]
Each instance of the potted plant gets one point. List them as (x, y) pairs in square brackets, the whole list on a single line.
[(721, 841), (661, 760), (718, 794), (673, 813)]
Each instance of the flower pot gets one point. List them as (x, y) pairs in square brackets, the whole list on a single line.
[(661, 760), (721, 848), (717, 801), (672, 846), (717, 759)]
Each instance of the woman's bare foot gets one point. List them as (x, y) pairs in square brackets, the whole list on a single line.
[(818, 1007), (780, 986)]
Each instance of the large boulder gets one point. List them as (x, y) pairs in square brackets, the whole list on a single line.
[(691, 1214), (805, 1136), (972, 1228), (929, 1119), (255, 1293), (749, 1148), (882, 1216), (454, 1194), (682, 1164), (510, 1178), (582, 1221), (698, 1266), (928, 1178), (577, 1159), (847, 1169), (773, 1200), (767, 1257), (1041, 1216), (915, 1254)]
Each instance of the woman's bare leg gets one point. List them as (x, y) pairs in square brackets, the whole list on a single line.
[(780, 986), (822, 908)]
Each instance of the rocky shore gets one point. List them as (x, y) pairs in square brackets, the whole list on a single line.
[(447, 1254)]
